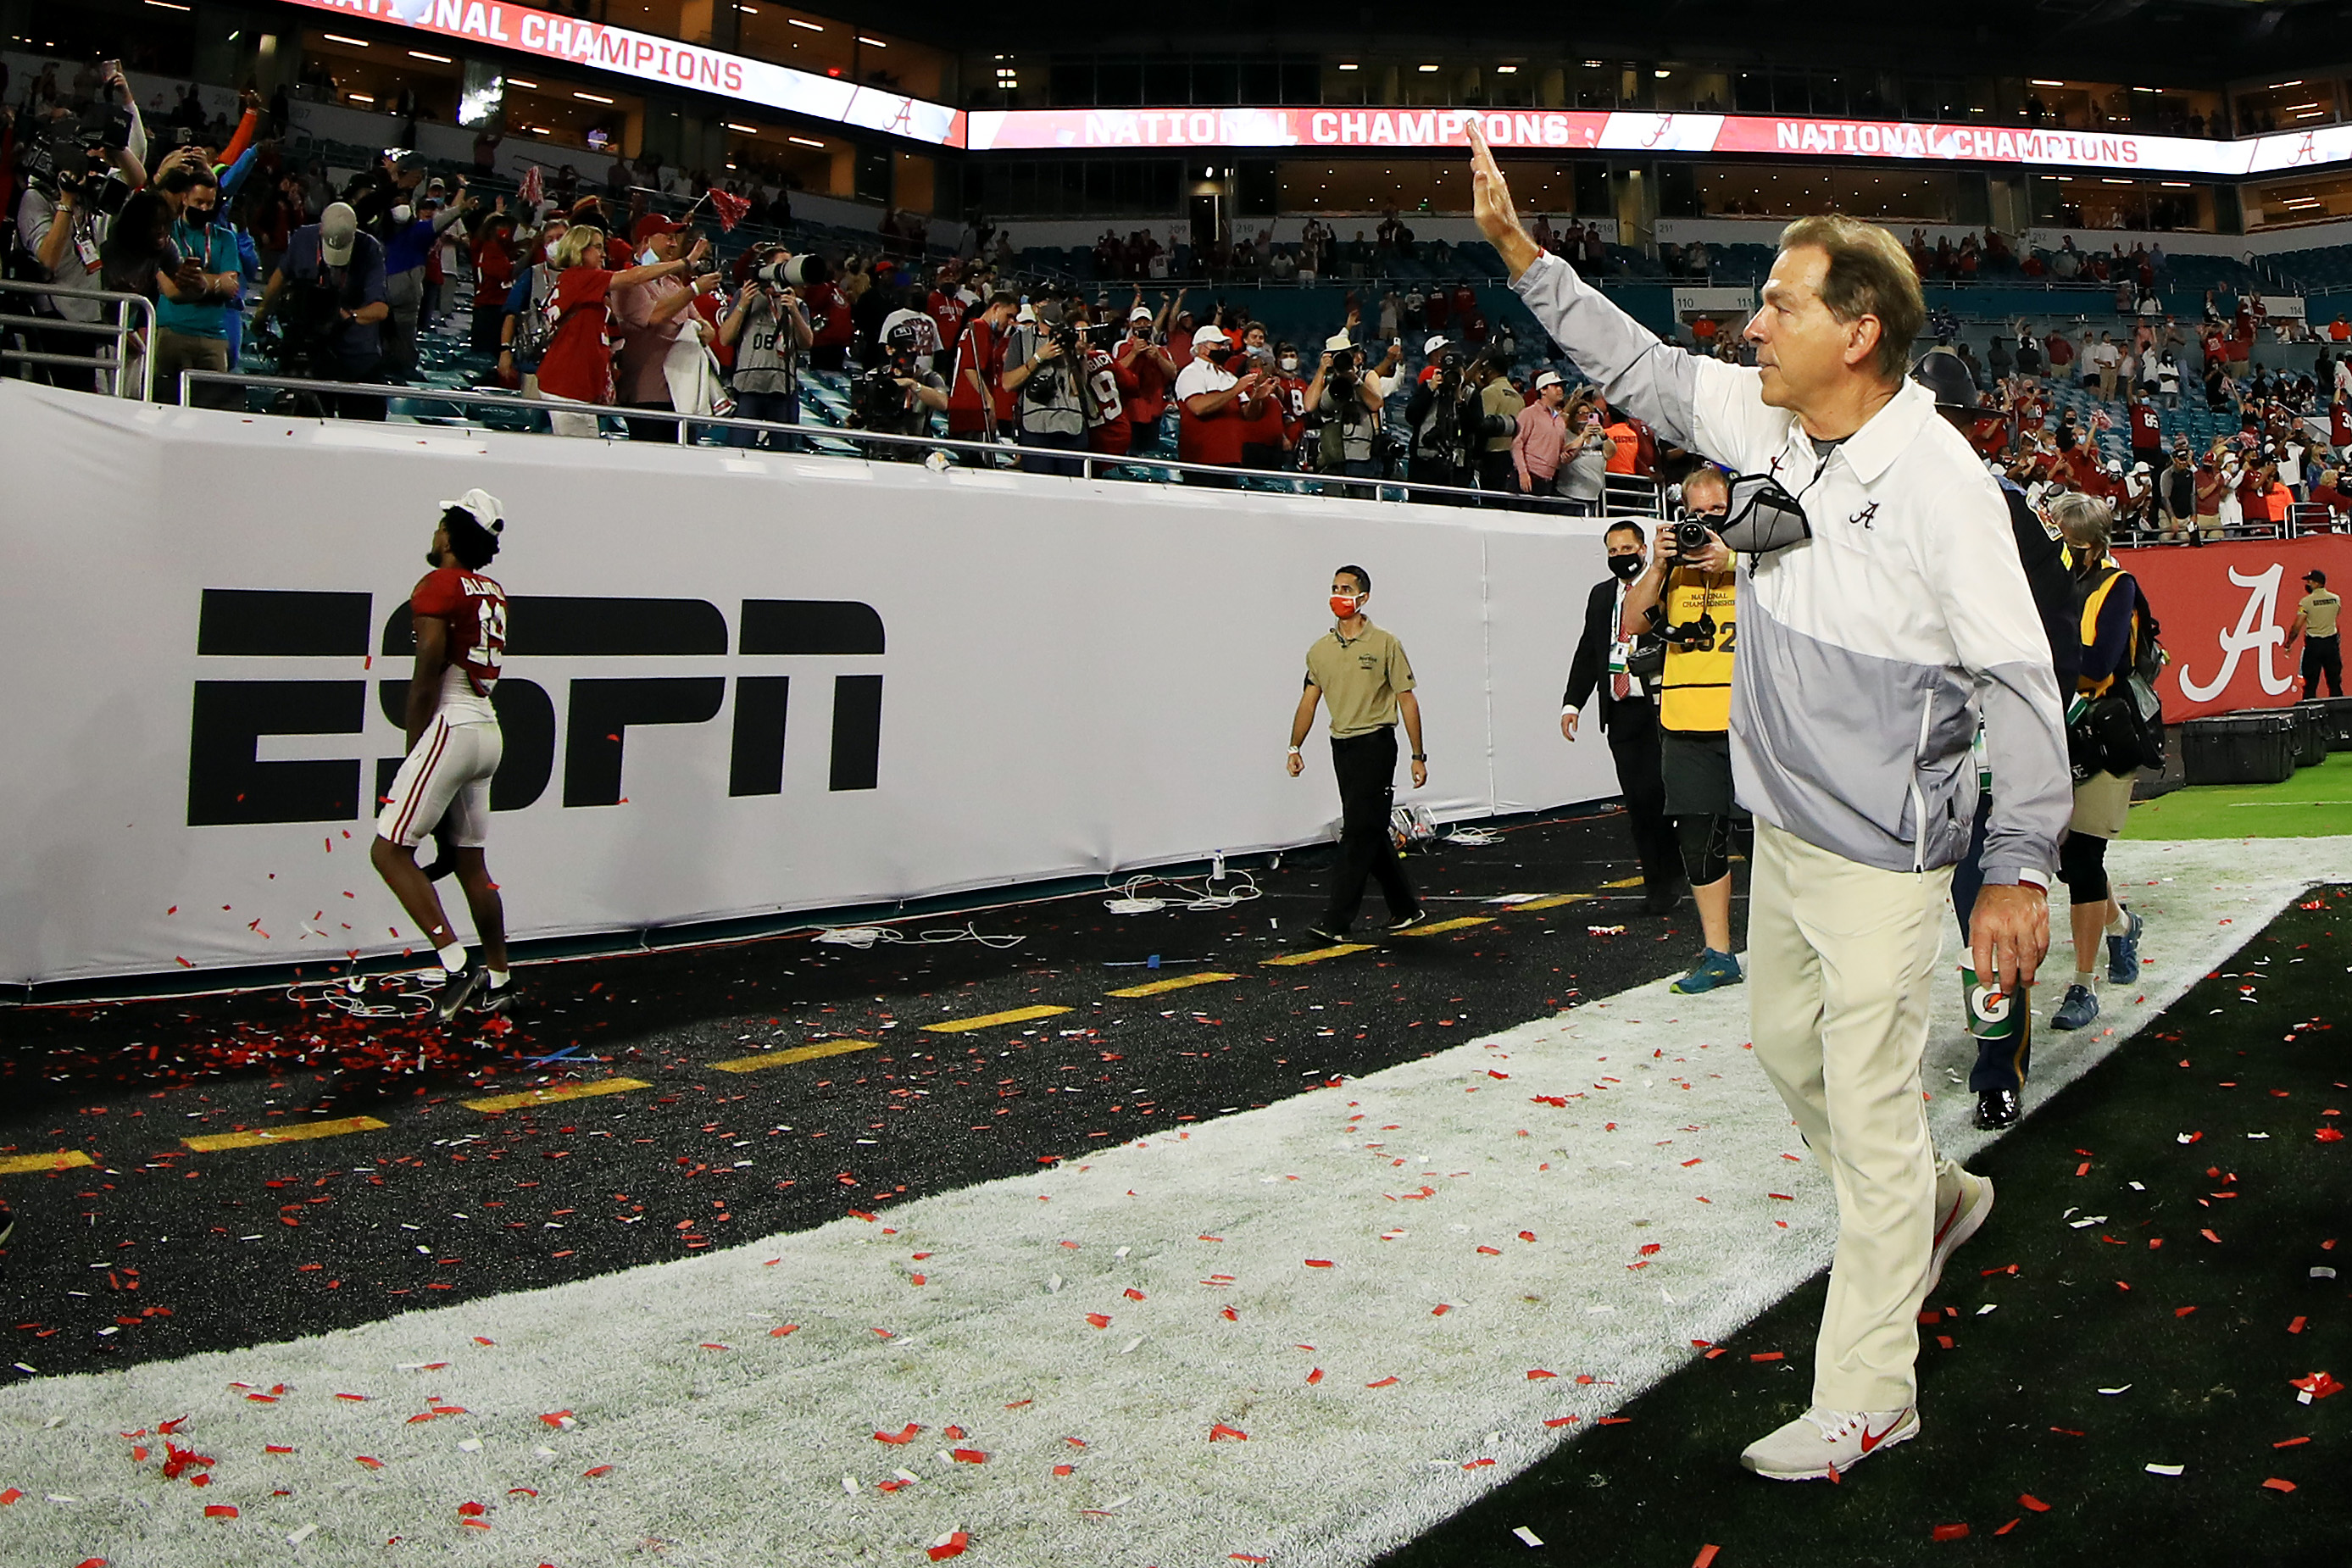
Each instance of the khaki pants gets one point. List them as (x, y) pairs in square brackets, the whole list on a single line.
[(176, 352), (1840, 960)]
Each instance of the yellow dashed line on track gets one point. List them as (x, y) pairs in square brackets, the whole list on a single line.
[(294, 1132), (1465, 924), (1320, 953), (1623, 882), (548, 1096), (17, 1165), (797, 1054), (1553, 904), (1181, 982), (990, 1020)]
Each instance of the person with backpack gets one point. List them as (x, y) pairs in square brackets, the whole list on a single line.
[(2105, 733), (524, 335)]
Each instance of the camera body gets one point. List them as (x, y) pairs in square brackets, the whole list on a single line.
[(1690, 536)]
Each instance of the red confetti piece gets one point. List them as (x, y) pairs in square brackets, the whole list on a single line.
[(1951, 1532), (1318, 1263), (1784, 1197), (952, 1547), (1220, 1433), (1440, 1310), (1527, 1236), (968, 1456), (1491, 1251), (596, 1470), (1705, 1557), (1688, 1163), (2182, 1312), (2273, 1484), (523, 1491), (1651, 1248), (1314, 1377), (2320, 1385), (954, 1434), (2082, 1170), (1132, 1294), (904, 1435), (2210, 1237), (479, 1340), (1065, 1469), (2291, 1443), (712, 1345), (1613, 1421), (2005, 1529), (1559, 1421), (1537, 1374), (2327, 1135), (471, 1509), (555, 1418), (2028, 1501), (1769, 1355), (1099, 1320), (1386, 1381), (781, 1329), (1229, 1315), (373, 1464)]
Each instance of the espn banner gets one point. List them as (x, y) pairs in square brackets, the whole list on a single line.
[(2224, 610), (735, 684)]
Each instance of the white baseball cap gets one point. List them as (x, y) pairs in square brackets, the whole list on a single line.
[(1140, 314), (483, 505), (1429, 350), (1547, 378), (1211, 333)]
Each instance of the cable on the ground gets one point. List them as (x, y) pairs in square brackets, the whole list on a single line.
[(1181, 895), (863, 937), (405, 995), (1473, 838)]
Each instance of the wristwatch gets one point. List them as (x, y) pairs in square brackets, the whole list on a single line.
[(1421, 757)]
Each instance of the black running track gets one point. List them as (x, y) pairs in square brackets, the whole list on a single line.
[(156, 1250)]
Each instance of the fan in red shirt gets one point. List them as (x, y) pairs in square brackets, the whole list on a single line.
[(494, 275), (1110, 385), (578, 365), (945, 308), (443, 789), (974, 393), (1153, 370)]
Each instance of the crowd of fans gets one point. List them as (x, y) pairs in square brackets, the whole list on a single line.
[(590, 296)]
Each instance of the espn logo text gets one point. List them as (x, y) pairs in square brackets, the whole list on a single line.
[(228, 783)]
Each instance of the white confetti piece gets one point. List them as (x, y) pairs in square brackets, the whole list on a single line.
[(2323, 1272), (849, 1483), (2257, 1135), (1131, 1344), (471, 1445), (1987, 1307), (1527, 1537), (2163, 1469), (2126, 1388), (297, 1537), (2138, 1188)]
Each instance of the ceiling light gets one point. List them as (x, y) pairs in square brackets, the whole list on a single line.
[(1506, 70), (804, 141), (2277, 86), (1346, 65), (2292, 107), (538, 131), (2309, 114), (872, 42), (2038, 81), (1661, 75), (2147, 89), (747, 10), (590, 97), (338, 38), (812, 26), (746, 130), (413, 54), (170, 6), (2177, 185), (2107, 180), (1592, 65), (361, 98), (1427, 68), (517, 82)]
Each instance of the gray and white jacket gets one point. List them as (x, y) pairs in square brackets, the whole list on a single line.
[(1867, 654)]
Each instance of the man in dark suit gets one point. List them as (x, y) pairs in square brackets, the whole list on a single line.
[(1624, 676)]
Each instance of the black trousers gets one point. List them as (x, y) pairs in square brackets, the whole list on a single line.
[(1634, 742), (1365, 767), (2322, 657), (1998, 1066)]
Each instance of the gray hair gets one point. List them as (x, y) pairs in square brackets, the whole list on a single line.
[(2085, 518)]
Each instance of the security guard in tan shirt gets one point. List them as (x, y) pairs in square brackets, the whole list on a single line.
[(1362, 672), (2323, 647)]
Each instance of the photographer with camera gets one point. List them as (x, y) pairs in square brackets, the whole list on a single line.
[(1687, 597), (329, 289), (1350, 404), (80, 169), (1449, 423), (1499, 402), (1046, 360), (770, 333), (898, 396)]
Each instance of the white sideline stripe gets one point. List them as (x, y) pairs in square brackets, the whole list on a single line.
[(739, 1453)]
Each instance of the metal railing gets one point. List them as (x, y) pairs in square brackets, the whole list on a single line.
[(123, 330), (1627, 495)]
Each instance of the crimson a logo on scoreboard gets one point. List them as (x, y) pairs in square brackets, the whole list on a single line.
[(228, 783)]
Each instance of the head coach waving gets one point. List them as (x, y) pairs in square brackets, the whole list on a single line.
[(1882, 609)]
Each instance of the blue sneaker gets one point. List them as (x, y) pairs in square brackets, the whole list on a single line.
[(2122, 952), (2082, 1005), (1713, 969)]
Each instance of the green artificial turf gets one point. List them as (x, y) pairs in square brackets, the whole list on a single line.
[(2316, 802), (2011, 1408)]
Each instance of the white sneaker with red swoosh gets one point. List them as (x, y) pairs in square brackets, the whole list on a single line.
[(1957, 1219), (1821, 1442)]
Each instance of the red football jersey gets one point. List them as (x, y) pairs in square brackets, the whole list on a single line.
[(476, 609)]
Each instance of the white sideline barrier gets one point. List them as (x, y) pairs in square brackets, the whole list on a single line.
[(1074, 676)]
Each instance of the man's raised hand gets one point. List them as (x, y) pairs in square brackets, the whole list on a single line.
[(1491, 204)]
